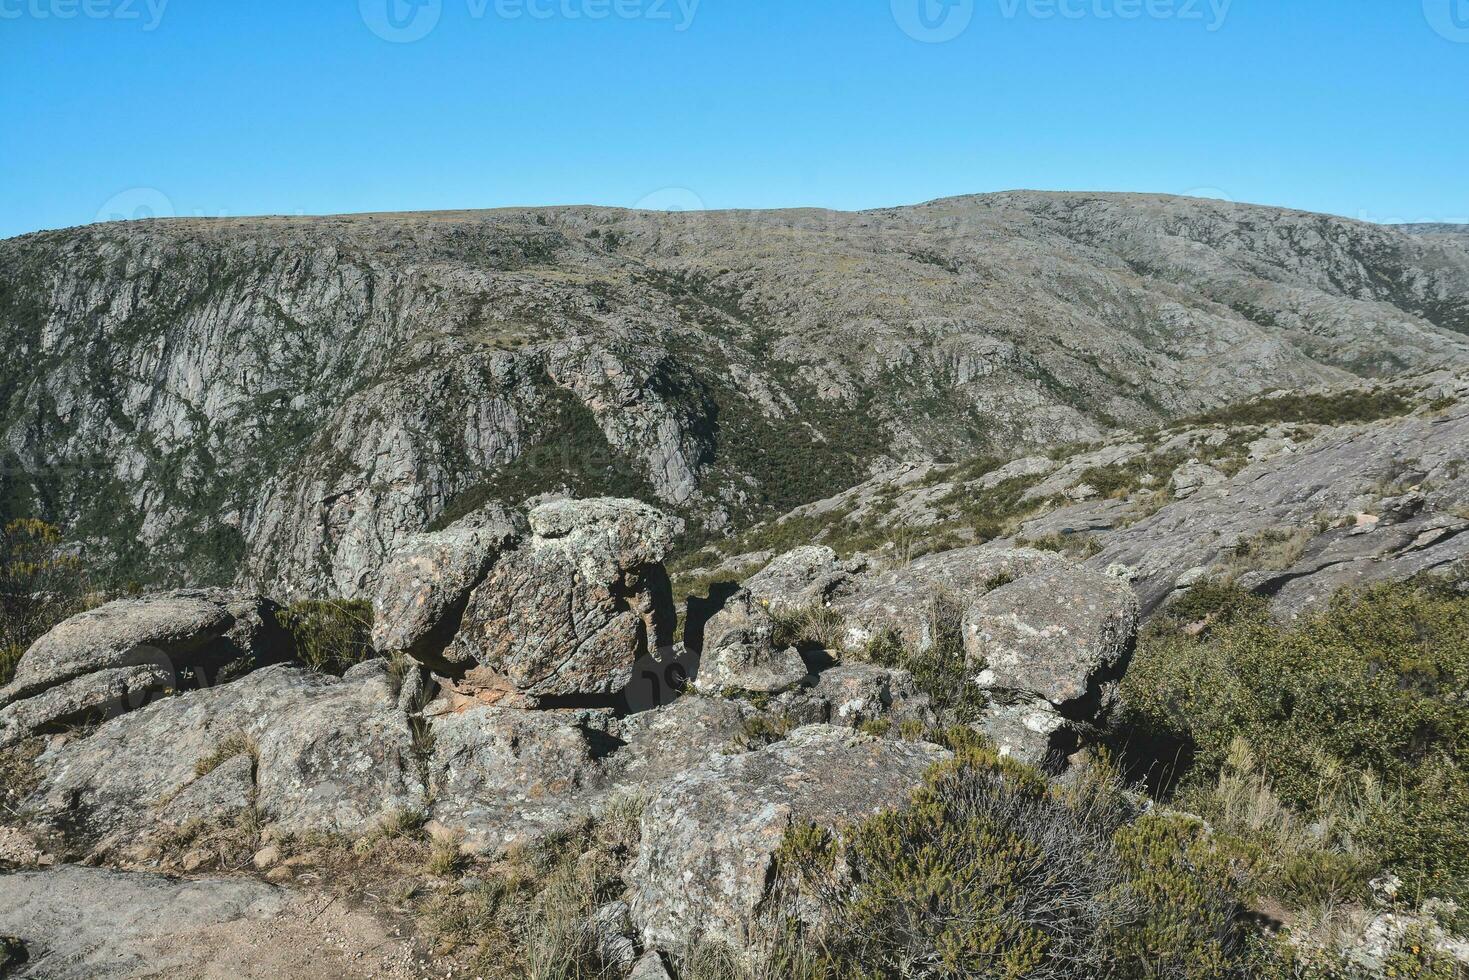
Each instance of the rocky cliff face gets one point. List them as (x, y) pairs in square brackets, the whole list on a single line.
[(299, 396)]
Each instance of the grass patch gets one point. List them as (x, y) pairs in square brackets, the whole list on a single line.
[(329, 635)]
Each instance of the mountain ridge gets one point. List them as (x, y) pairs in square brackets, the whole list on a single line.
[(393, 373)]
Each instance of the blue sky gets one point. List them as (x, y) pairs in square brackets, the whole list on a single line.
[(200, 107)]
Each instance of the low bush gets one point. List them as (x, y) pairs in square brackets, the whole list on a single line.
[(1333, 408), (1355, 718)]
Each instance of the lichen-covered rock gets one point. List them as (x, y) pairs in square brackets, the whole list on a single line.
[(901, 600), (740, 652), (329, 754), (116, 657), (1030, 730), (1193, 476), (103, 694), (1058, 634), (190, 628), (710, 836), (808, 576), (851, 694), (506, 774), (423, 587), (573, 609), (502, 774)]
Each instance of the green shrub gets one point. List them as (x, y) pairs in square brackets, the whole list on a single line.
[(329, 635), (1370, 693), (990, 871), (1324, 409)]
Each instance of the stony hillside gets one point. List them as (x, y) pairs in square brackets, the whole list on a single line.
[(296, 397), (1293, 496)]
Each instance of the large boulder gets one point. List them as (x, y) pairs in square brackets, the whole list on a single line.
[(740, 652), (1058, 634), (850, 695), (424, 586), (117, 657), (710, 836), (571, 611), (901, 600), (1049, 648), (324, 754), (501, 775), (805, 577)]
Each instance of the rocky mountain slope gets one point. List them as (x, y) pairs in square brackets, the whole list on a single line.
[(296, 397), (1293, 496)]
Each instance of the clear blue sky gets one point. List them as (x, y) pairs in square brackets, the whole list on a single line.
[(1356, 107)]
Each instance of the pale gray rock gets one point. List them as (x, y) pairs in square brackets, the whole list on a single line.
[(850, 694), (502, 775), (1320, 489), (505, 774), (1030, 730), (330, 754), (740, 652), (572, 610), (1193, 476), (808, 576), (423, 587), (91, 923), (650, 967), (901, 600), (119, 656), (709, 837), (1059, 634), (222, 794), (195, 629), (83, 699)]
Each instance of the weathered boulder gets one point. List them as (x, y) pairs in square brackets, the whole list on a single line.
[(901, 600), (1193, 476), (88, 923), (1031, 730), (807, 576), (506, 774), (116, 657), (502, 774), (1058, 634), (710, 836), (851, 694), (740, 652), (423, 588), (326, 754), (571, 611)]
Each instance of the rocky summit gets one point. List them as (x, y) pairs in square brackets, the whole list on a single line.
[(1027, 585)]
